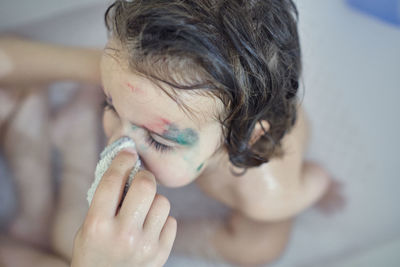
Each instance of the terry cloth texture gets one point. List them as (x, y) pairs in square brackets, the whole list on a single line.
[(106, 158)]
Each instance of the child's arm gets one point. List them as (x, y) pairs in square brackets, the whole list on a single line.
[(25, 62), (16, 253)]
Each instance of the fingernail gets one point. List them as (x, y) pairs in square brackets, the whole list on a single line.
[(131, 150)]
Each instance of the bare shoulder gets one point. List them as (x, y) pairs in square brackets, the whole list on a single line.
[(281, 174), (294, 144), (278, 175)]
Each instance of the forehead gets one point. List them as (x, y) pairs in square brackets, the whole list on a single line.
[(134, 90)]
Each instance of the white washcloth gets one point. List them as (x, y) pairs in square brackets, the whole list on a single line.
[(106, 158)]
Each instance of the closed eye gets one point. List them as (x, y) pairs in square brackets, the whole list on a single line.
[(150, 140), (158, 146)]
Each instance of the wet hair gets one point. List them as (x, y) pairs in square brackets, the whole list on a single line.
[(246, 53)]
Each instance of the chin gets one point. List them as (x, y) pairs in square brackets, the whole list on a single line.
[(173, 183)]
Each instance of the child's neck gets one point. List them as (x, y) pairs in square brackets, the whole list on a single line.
[(216, 163)]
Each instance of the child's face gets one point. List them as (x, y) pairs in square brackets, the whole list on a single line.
[(145, 113)]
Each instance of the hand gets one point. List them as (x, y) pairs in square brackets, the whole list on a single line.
[(139, 233)]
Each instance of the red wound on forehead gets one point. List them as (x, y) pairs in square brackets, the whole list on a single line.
[(134, 89)]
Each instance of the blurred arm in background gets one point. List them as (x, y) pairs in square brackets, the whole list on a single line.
[(27, 67), (25, 62)]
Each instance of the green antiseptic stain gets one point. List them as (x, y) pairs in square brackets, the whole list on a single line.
[(186, 137), (143, 147), (134, 127), (201, 166)]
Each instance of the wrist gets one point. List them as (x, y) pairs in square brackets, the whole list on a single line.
[(86, 65)]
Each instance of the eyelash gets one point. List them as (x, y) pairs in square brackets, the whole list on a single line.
[(150, 140), (158, 146)]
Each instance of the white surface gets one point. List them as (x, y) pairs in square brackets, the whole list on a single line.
[(83, 26), (383, 255), (351, 70), (14, 13)]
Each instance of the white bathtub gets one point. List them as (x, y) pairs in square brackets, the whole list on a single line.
[(352, 92)]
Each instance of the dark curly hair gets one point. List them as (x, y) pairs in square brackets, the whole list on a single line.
[(245, 52)]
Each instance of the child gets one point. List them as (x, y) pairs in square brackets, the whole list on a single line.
[(207, 90)]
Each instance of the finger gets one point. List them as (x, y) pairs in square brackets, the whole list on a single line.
[(156, 217), (168, 234), (138, 200), (110, 189)]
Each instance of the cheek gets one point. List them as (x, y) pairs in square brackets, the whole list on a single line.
[(171, 171), (110, 123)]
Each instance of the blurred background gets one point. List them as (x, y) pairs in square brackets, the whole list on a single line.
[(351, 91)]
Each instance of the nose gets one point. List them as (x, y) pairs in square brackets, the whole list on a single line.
[(119, 133)]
